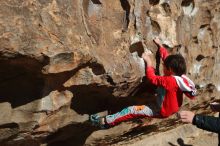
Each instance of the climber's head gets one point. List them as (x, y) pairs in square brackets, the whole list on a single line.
[(175, 65)]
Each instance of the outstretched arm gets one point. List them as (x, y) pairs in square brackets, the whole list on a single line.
[(150, 73), (163, 51), (208, 123), (147, 59)]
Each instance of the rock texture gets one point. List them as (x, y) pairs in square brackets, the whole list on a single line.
[(62, 60)]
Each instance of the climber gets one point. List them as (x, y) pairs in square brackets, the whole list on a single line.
[(208, 123), (170, 89)]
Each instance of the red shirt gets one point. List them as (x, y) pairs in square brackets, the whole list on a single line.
[(171, 97)]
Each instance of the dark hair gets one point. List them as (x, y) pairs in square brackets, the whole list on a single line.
[(176, 63)]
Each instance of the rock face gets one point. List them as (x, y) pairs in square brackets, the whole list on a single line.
[(62, 60)]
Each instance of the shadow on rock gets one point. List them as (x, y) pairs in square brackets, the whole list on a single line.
[(90, 99), (180, 142), (136, 132), (21, 81), (73, 134), (131, 134)]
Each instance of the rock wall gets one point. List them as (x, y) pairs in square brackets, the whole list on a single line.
[(62, 60)]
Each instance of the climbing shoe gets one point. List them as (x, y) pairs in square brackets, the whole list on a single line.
[(96, 120)]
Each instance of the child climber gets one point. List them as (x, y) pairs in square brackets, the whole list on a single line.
[(170, 89)]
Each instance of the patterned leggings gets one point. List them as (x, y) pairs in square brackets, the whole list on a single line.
[(131, 112)]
